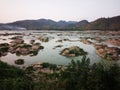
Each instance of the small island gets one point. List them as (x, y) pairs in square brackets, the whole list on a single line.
[(73, 51)]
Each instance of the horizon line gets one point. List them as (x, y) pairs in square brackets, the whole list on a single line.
[(57, 20)]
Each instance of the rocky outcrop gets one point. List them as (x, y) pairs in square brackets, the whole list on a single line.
[(43, 39), (18, 47), (19, 61), (73, 51), (85, 41), (17, 41), (16, 37), (113, 41), (109, 53)]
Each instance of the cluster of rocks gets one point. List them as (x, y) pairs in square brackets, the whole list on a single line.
[(16, 37), (73, 51), (109, 53), (7, 34), (65, 39), (43, 39), (113, 41), (98, 39), (38, 69), (85, 41), (18, 47)]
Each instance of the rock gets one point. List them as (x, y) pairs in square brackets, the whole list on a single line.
[(32, 41), (113, 41), (17, 41), (43, 39), (85, 41), (58, 46), (19, 61), (18, 47), (109, 53), (59, 41), (35, 47), (73, 51), (16, 37), (98, 39)]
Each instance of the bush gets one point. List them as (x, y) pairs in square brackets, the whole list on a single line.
[(13, 78)]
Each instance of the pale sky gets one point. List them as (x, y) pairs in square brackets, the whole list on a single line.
[(74, 10)]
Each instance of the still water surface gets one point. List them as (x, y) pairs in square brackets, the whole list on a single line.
[(49, 54)]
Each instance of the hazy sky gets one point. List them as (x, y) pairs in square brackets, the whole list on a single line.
[(12, 10)]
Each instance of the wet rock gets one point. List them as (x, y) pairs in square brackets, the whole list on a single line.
[(16, 37), (98, 39), (43, 39), (32, 41), (73, 51), (109, 53), (58, 46), (113, 41), (85, 41), (18, 47), (59, 41), (19, 61), (17, 41)]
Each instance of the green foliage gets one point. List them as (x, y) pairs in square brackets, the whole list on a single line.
[(45, 65), (13, 78), (78, 75), (19, 61), (48, 65)]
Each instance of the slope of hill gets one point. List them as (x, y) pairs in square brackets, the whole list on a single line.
[(105, 24), (42, 24), (47, 24)]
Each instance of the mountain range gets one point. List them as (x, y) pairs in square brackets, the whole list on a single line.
[(112, 23)]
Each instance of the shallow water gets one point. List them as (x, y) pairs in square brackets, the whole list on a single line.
[(49, 54)]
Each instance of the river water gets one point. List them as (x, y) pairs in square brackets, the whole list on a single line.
[(50, 53)]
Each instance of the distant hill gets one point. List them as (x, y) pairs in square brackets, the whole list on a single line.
[(105, 24), (112, 23), (44, 24)]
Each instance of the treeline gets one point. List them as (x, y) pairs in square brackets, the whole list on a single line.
[(78, 75)]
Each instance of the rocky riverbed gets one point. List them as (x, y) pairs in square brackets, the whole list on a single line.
[(18, 47), (58, 47)]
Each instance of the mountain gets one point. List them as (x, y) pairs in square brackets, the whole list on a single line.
[(10, 27), (112, 23), (41, 24), (82, 24), (105, 24)]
